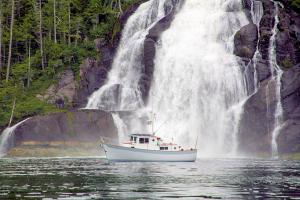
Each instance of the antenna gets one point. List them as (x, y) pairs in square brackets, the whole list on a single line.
[(153, 116), (196, 141)]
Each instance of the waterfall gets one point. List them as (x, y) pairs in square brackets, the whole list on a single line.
[(276, 75), (121, 92), (7, 138), (198, 86), (256, 13)]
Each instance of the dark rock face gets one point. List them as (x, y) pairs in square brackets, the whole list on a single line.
[(257, 123), (245, 41), (266, 26), (150, 45), (288, 58), (288, 38), (288, 139), (290, 92), (81, 125), (92, 76)]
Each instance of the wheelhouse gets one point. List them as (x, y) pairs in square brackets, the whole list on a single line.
[(150, 142)]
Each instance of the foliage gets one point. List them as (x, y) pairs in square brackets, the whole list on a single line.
[(78, 23), (295, 5)]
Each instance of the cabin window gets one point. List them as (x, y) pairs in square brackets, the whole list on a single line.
[(175, 148), (146, 140), (163, 148), (141, 140), (134, 139), (131, 138)]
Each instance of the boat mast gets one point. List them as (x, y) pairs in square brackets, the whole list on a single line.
[(153, 117)]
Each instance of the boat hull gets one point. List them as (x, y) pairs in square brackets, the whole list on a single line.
[(126, 154)]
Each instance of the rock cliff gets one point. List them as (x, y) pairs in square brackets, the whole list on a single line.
[(257, 122)]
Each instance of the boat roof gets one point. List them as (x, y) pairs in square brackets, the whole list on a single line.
[(143, 135)]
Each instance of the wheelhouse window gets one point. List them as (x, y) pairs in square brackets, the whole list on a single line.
[(141, 140), (163, 148)]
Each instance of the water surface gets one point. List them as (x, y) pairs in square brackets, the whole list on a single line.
[(95, 178)]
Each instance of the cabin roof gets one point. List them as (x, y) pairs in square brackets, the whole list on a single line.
[(142, 135)]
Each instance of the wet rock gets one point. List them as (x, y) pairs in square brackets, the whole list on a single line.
[(266, 27), (257, 120), (92, 76), (288, 38), (289, 137), (254, 121), (290, 92), (245, 41), (263, 70)]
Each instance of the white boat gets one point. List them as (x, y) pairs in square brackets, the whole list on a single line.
[(148, 148)]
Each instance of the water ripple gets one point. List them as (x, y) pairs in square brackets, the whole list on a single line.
[(95, 178)]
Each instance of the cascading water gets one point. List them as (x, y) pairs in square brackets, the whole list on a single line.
[(7, 138), (257, 12), (121, 92), (198, 85), (276, 75)]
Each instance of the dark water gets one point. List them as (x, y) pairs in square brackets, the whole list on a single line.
[(94, 178)]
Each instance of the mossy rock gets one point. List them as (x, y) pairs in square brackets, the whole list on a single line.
[(286, 63)]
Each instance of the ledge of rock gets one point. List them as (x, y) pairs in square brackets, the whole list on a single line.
[(73, 129)]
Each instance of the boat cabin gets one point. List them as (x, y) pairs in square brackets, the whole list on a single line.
[(150, 142)]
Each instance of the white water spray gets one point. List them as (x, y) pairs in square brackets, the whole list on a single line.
[(276, 75), (198, 83), (7, 138), (257, 12)]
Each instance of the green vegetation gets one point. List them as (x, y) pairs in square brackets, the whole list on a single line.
[(41, 38), (295, 4), (286, 63)]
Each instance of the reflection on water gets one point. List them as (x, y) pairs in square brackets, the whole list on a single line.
[(95, 178)]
